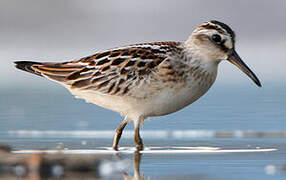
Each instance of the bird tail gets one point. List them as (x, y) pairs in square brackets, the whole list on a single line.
[(27, 66), (60, 72)]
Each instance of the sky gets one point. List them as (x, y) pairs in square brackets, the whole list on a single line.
[(41, 30)]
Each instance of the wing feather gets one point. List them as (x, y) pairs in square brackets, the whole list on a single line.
[(113, 71)]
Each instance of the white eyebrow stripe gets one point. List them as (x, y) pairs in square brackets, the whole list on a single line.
[(225, 32)]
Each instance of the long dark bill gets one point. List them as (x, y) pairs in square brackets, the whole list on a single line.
[(236, 60)]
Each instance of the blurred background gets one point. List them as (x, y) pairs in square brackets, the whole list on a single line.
[(41, 30)]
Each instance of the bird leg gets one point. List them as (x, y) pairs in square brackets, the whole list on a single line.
[(118, 134), (137, 138)]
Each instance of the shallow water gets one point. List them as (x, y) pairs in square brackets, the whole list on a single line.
[(47, 117)]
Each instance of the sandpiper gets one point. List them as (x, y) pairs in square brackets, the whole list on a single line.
[(148, 79)]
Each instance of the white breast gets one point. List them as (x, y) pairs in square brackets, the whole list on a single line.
[(171, 100)]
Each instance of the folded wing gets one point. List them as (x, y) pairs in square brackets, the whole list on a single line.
[(113, 71)]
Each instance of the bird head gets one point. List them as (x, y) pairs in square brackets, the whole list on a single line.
[(214, 41)]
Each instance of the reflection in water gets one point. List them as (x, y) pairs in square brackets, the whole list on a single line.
[(91, 166), (138, 176), (136, 168)]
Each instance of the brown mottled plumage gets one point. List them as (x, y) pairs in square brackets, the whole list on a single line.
[(113, 71)]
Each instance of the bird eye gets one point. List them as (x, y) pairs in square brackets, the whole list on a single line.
[(216, 38)]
